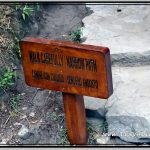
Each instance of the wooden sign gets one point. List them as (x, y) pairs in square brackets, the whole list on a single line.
[(67, 67), (73, 69)]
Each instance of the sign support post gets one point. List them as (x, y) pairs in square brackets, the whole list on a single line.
[(75, 118)]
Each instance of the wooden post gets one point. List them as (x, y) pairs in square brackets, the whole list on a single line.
[(75, 118)]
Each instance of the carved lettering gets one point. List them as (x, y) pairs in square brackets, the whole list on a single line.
[(91, 65), (90, 83), (75, 62), (47, 76), (81, 63), (46, 58), (73, 80)]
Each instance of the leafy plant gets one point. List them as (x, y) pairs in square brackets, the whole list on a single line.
[(17, 50), (76, 35), (26, 11), (14, 101), (7, 78)]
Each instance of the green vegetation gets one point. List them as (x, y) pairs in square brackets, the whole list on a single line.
[(26, 10), (104, 127), (16, 46), (14, 102), (76, 35), (54, 117), (92, 133), (63, 136), (6, 80)]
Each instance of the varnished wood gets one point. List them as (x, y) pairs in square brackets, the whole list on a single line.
[(75, 70), (90, 80), (75, 118)]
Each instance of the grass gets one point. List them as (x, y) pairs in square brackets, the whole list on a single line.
[(54, 117), (76, 35), (6, 81), (104, 127), (92, 133), (25, 10), (16, 47), (63, 140), (14, 103)]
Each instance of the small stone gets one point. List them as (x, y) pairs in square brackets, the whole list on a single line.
[(24, 108), (17, 124), (24, 132), (22, 94), (32, 114), (4, 141), (56, 109), (103, 139), (41, 95), (23, 116)]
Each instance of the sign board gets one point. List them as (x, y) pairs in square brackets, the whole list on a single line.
[(67, 67)]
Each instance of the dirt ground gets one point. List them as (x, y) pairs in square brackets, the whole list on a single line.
[(41, 111)]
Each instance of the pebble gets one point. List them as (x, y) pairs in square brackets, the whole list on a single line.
[(24, 108), (4, 141), (32, 114), (17, 124), (22, 94), (23, 116), (103, 139), (24, 132)]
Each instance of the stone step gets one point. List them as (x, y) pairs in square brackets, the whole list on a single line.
[(125, 29), (127, 111)]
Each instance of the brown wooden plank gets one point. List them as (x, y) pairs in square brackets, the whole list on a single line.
[(67, 67), (75, 118)]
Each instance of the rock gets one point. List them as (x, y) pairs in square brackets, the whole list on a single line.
[(32, 114), (96, 124), (128, 108), (22, 94), (103, 139), (95, 104), (24, 132), (33, 139), (56, 21), (24, 108), (122, 31), (17, 124), (121, 28), (41, 98), (4, 141), (23, 116), (118, 141), (35, 28), (131, 59)]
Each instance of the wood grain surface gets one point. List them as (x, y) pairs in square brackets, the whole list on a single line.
[(75, 118), (67, 67)]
